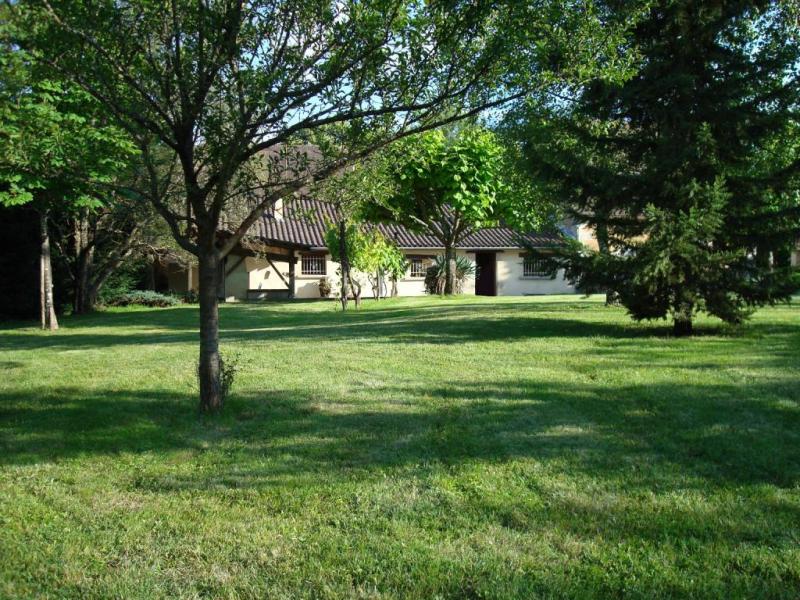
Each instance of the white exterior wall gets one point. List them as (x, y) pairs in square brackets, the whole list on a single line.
[(511, 282), (263, 276), (258, 274), (307, 286), (415, 286), (254, 274)]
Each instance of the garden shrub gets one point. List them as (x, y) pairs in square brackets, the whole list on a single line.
[(143, 298), (129, 276), (435, 275), (324, 287)]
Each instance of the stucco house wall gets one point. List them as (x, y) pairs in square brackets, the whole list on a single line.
[(512, 282), (257, 274)]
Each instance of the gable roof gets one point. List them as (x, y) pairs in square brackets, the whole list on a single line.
[(305, 221)]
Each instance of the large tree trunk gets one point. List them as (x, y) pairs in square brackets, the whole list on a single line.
[(210, 364), (83, 259), (682, 319), (449, 270), (344, 263), (85, 295), (47, 309)]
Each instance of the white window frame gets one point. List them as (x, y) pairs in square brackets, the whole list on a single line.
[(529, 264), (313, 265), (421, 262)]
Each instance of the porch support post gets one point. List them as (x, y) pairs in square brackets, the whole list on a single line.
[(292, 260)]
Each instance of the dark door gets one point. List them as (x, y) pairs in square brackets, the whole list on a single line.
[(486, 274)]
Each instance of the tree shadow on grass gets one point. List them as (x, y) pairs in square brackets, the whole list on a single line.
[(670, 435), (437, 324), (637, 446)]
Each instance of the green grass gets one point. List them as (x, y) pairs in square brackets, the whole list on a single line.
[(427, 448)]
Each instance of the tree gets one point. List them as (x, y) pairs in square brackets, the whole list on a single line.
[(229, 87), (59, 154), (98, 241), (368, 252), (349, 191), (394, 265), (445, 186), (688, 171)]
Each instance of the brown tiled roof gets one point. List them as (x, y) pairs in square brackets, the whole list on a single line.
[(305, 222)]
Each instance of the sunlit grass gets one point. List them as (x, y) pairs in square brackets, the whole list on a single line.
[(418, 448)]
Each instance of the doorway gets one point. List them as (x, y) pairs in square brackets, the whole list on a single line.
[(486, 274)]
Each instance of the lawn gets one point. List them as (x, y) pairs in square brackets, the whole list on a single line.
[(425, 448)]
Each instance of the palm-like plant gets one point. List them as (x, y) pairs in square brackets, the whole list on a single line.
[(436, 275)]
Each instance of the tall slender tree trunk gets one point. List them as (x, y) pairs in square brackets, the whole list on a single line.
[(344, 264), (449, 269), (47, 309), (356, 287), (151, 273), (377, 289), (210, 364)]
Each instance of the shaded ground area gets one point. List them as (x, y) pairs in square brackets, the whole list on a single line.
[(502, 448)]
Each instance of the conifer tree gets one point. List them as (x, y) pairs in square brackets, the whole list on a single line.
[(687, 171)]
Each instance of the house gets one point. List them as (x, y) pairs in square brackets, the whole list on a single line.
[(285, 256)]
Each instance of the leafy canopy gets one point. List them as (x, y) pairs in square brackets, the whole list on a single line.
[(57, 145), (444, 182)]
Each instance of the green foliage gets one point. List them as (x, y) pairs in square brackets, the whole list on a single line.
[(393, 262), (795, 281), (367, 181), (437, 175), (143, 298), (367, 249), (228, 94), (123, 280), (691, 188), (435, 275), (57, 144), (230, 365)]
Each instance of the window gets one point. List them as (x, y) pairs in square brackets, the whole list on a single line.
[(312, 264), (418, 267), (537, 267)]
